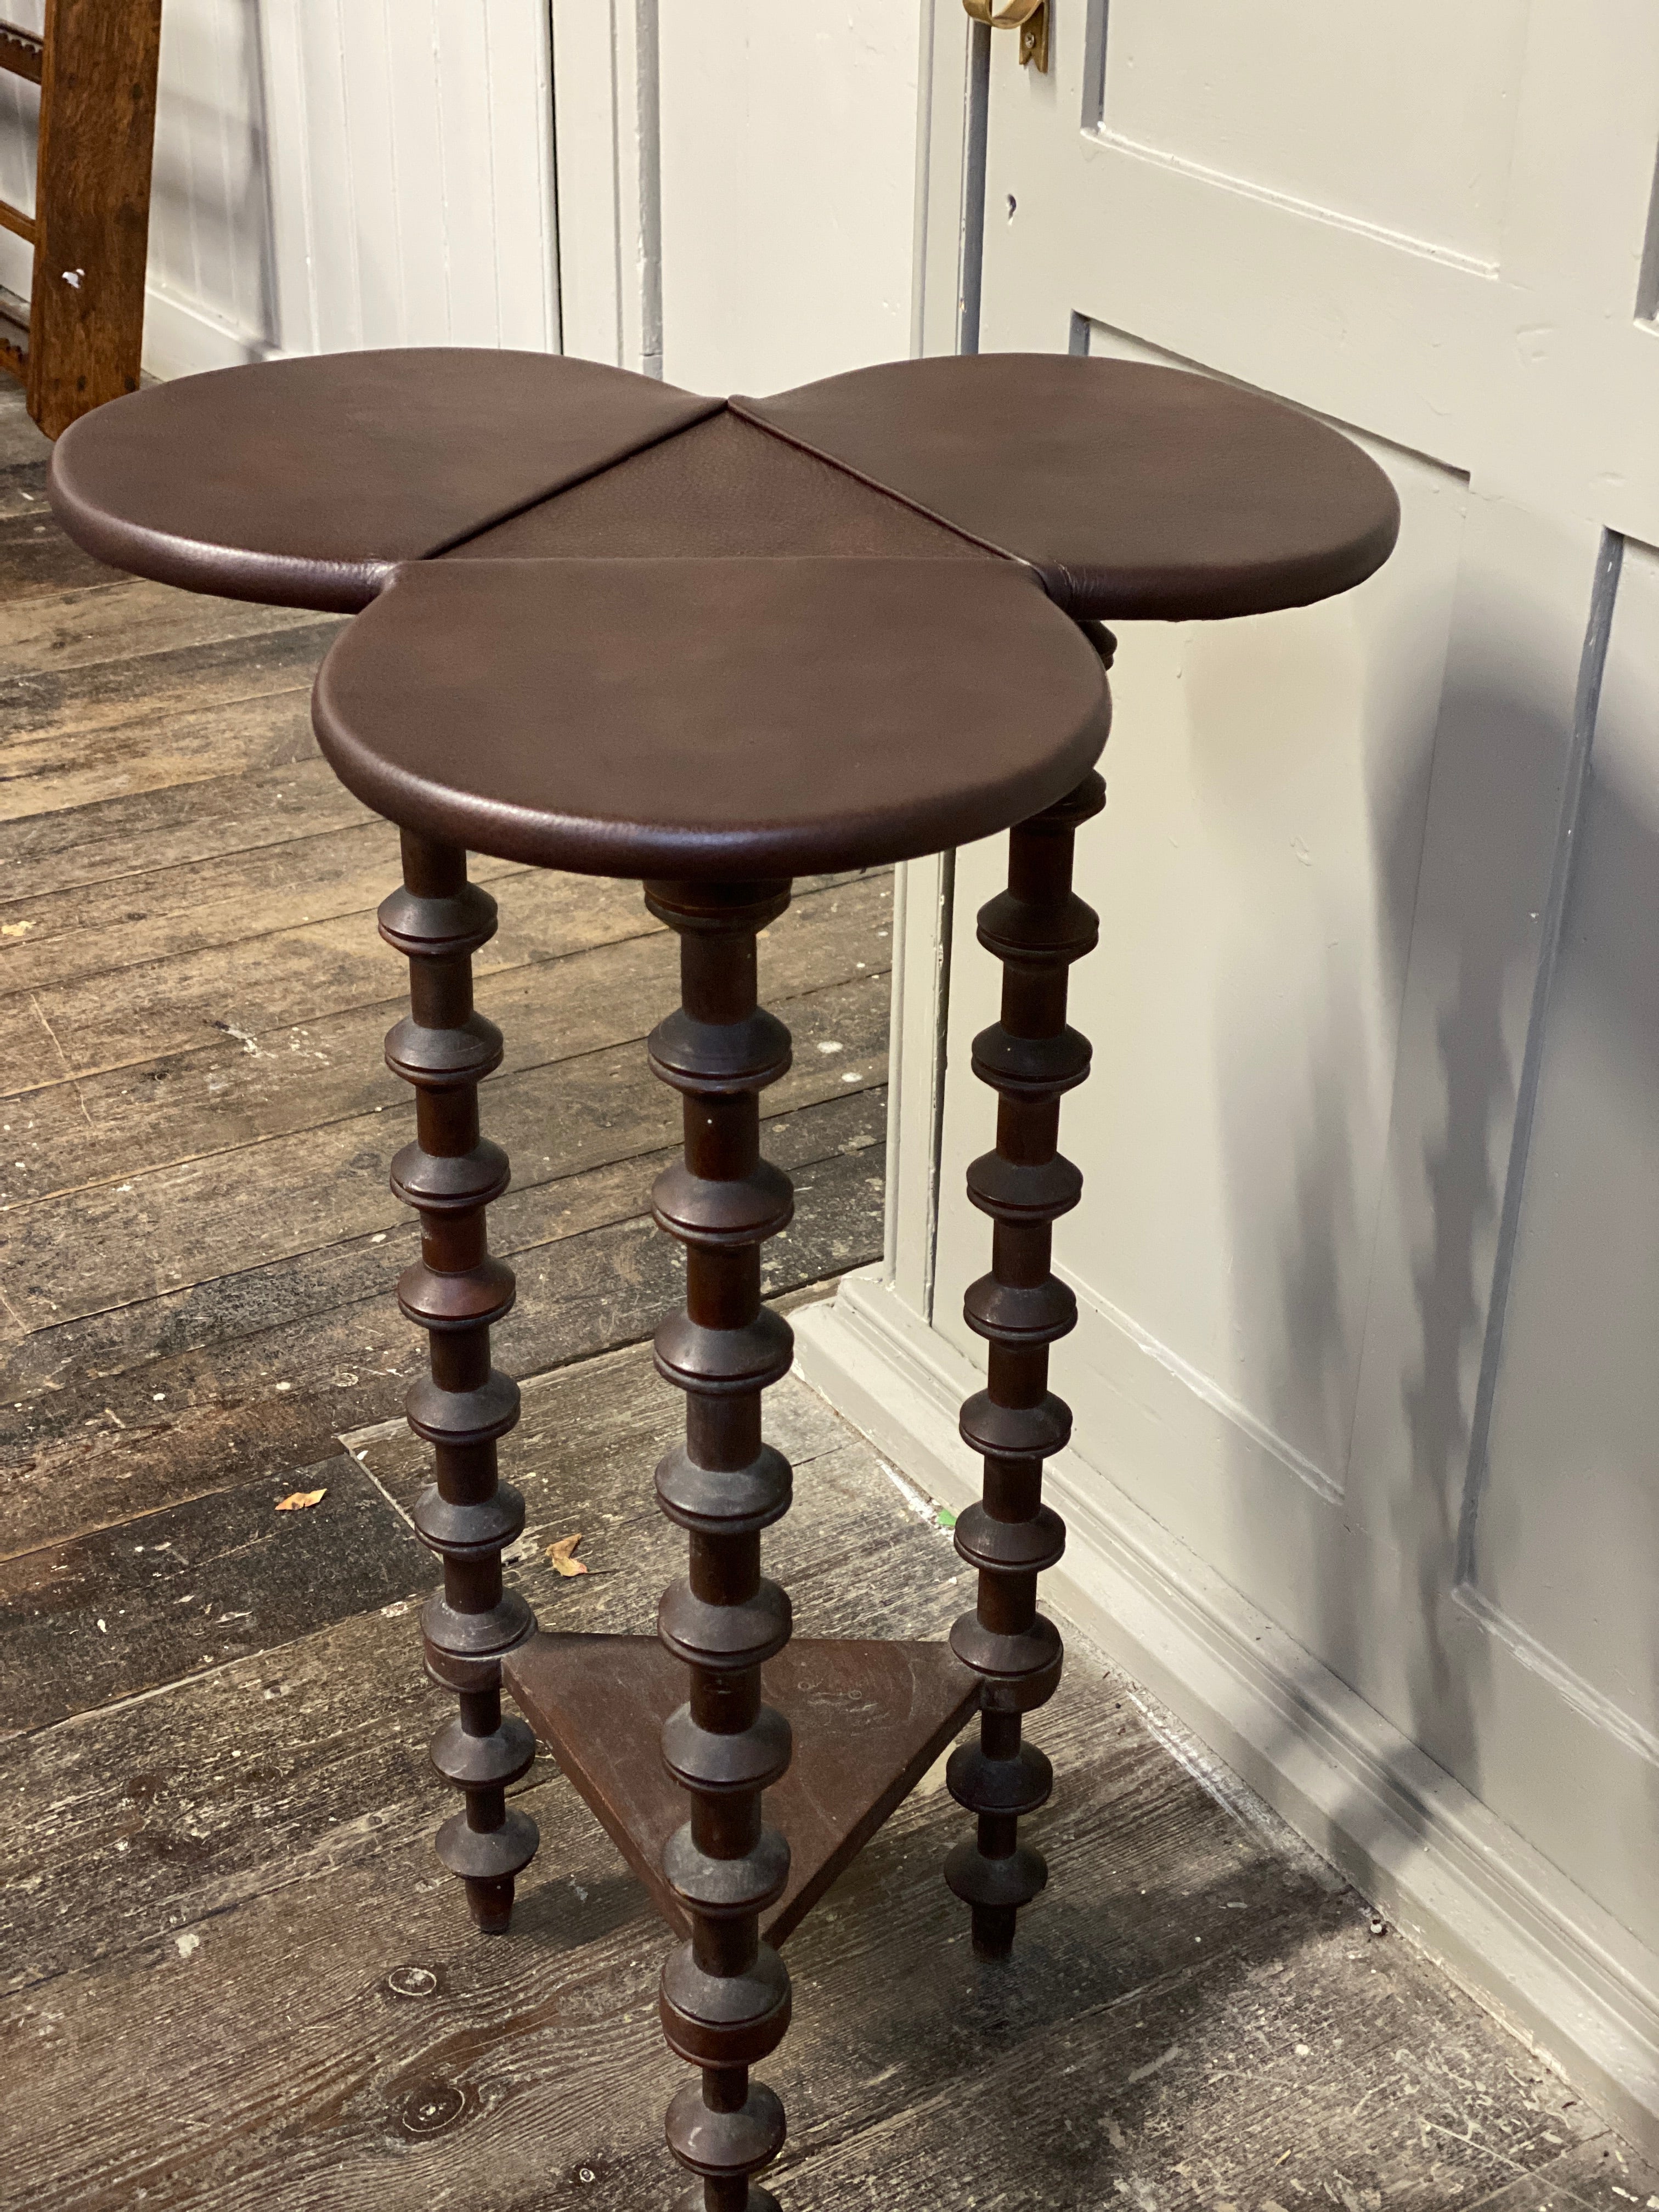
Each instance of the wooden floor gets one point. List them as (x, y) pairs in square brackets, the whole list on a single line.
[(234, 1977)]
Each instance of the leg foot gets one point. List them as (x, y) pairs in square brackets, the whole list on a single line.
[(491, 1903)]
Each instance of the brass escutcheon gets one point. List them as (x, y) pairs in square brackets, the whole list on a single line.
[(1028, 17)]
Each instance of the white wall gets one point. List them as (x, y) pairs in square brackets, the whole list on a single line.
[(737, 185), (788, 188)]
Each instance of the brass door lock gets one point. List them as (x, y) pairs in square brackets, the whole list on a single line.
[(1028, 17)]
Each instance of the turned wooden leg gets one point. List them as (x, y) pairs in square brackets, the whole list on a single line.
[(725, 1994), (1036, 928), (455, 1291)]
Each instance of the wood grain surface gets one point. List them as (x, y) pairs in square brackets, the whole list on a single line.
[(92, 206)]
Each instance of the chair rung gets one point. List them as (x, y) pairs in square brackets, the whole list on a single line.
[(22, 52), (13, 219)]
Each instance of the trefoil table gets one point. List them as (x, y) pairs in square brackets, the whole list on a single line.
[(713, 646)]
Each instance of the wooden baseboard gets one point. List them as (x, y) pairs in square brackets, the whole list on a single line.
[(1505, 1923)]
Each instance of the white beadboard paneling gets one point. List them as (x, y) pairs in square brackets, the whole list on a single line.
[(333, 173), (336, 217), (288, 177), (408, 68), (463, 49), (209, 237), (591, 148)]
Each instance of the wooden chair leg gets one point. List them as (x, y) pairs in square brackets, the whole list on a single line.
[(1030, 1058), (456, 1292), (725, 1994)]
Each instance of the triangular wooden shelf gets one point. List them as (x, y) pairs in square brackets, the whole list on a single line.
[(869, 1719)]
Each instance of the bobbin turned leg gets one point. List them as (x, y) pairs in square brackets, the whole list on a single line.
[(725, 1994), (1036, 928), (456, 1292)]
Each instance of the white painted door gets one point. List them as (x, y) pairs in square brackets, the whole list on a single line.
[(1368, 1257)]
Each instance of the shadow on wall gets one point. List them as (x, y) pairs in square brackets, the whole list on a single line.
[(1382, 1559), (1572, 1459)]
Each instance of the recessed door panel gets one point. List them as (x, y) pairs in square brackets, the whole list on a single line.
[(1402, 117)]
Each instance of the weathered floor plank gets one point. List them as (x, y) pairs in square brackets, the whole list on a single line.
[(1196, 2010), (35, 556), (578, 972), (260, 1371), (23, 485), (159, 1230), (74, 736), (129, 1607), (68, 849), (87, 625)]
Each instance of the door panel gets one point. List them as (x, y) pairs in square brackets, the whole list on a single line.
[(1256, 872), (1267, 94), (1371, 1147), (1570, 1505)]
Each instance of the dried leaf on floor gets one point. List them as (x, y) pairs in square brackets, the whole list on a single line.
[(297, 1500), (561, 1555)]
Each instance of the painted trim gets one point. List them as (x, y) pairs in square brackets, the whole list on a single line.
[(1509, 1926), (976, 147)]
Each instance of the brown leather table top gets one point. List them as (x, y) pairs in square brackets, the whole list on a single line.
[(741, 718), (303, 483), (1135, 491), (1131, 491), (614, 627)]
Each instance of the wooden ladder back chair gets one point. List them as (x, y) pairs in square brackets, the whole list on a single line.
[(95, 63)]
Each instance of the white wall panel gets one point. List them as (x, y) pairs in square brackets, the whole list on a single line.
[(789, 141)]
